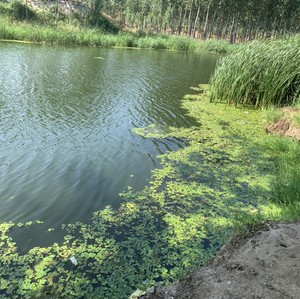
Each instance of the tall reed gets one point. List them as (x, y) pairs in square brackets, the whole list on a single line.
[(260, 74)]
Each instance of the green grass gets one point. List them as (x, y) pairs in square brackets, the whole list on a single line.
[(64, 33), (296, 119), (55, 27), (272, 115), (259, 74), (285, 185)]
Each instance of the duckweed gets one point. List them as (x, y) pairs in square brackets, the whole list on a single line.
[(160, 234)]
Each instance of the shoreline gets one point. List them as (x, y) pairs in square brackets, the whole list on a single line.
[(69, 35), (265, 263)]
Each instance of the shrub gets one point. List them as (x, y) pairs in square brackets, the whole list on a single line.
[(22, 12)]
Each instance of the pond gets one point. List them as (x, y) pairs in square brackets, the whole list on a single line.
[(66, 127)]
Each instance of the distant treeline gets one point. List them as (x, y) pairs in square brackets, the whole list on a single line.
[(231, 19), (220, 19)]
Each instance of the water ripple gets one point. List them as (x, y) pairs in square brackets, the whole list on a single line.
[(67, 147)]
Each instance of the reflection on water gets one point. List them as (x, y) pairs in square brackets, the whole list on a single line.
[(67, 146)]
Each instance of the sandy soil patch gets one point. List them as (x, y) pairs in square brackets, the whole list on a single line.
[(264, 265)]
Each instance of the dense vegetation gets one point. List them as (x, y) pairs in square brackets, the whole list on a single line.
[(71, 35), (261, 74), (221, 19), (223, 178), (55, 26), (267, 75), (207, 18), (285, 188)]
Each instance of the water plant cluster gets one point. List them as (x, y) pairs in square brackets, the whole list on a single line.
[(160, 234), (260, 74)]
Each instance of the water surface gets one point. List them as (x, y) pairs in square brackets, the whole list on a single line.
[(67, 114)]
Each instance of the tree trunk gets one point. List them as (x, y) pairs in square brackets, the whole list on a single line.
[(226, 27), (211, 26), (220, 28), (234, 29), (144, 23), (196, 21), (206, 23), (26, 9), (182, 19), (190, 19)]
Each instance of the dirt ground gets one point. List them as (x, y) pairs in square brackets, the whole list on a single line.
[(263, 265), (285, 126)]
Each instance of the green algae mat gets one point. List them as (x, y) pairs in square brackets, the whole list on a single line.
[(174, 225)]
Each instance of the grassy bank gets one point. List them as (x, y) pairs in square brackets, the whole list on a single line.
[(52, 26), (285, 187), (267, 75), (163, 232), (64, 33), (260, 74)]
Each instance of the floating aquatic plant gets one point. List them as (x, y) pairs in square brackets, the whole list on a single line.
[(161, 233)]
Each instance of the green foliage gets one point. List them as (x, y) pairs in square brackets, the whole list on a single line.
[(106, 25), (273, 115), (218, 46), (5, 9), (206, 19), (64, 33), (296, 119), (163, 232), (22, 12), (125, 40), (260, 74), (182, 44), (151, 42)]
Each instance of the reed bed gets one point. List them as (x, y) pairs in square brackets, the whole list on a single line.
[(66, 34), (259, 74)]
